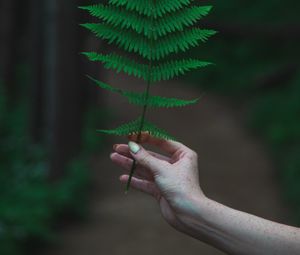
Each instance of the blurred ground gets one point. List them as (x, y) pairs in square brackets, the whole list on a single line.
[(234, 166)]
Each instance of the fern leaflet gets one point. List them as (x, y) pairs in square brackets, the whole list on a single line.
[(133, 127), (140, 98)]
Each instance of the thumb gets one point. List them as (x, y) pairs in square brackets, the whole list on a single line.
[(145, 159)]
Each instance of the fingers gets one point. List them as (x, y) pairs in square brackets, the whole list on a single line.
[(142, 185), (165, 145), (126, 164), (155, 165), (123, 149)]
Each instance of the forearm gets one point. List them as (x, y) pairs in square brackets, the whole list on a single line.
[(237, 232)]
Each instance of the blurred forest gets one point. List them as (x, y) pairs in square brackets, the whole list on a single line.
[(49, 112), (256, 53)]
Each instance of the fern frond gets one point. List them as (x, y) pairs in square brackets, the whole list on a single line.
[(179, 20), (150, 7), (125, 129), (162, 72), (123, 19), (174, 68), (153, 29), (157, 132), (157, 101), (151, 50), (120, 63), (140, 99), (134, 127), (105, 86), (128, 40), (181, 41)]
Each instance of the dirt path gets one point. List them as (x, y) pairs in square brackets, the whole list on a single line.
[(235, 170)]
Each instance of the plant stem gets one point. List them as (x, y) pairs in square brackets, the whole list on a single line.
[(133, 166)]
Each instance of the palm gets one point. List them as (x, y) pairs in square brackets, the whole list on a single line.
[(146, 174), (165, 208)]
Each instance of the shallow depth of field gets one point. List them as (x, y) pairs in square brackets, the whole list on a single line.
[(59, 192)]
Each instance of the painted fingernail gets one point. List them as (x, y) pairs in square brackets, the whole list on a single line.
[(134, 147)]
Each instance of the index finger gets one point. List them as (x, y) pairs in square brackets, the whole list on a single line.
[(168, 146)]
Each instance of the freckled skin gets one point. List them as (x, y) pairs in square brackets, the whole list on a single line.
[(174, 182)]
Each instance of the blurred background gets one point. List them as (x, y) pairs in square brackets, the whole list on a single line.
[(59, 192)]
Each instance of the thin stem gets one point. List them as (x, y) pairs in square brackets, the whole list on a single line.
[(133, 166)]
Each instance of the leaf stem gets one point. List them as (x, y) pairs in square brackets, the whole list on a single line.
[(133, 166)]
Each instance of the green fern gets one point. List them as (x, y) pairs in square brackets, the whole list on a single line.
[(134, 128), (153, 31), (140, 98), (161, 72)]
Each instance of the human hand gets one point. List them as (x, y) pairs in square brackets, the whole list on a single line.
[(173, 180)]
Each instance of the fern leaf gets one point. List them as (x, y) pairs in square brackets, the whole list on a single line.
[(125, 129), (134, 127), (157, 9), (140, 99), (123, 19), (181, 41), (119, 63), (160, 72), (128, 40), (175, 68), (179, 20), (131, 42), (157, 132), (105, 86), (158, 102)]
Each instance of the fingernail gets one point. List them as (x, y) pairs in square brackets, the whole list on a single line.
[(115, 146), (134, 147)]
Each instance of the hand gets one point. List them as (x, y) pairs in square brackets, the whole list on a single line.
[(173, 180)]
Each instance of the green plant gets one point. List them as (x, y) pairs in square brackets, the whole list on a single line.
[(30, 206), (155, 31)]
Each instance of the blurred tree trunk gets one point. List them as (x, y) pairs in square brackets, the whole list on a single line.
[(66, 96), (8, 47), (36, 122)]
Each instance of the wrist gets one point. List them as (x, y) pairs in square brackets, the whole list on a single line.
[(204, 221), (194, 215), (189, 207)]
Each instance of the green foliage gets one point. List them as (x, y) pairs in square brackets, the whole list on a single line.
[(122, 19), (147, 47), (162, 72), (134, 128), (29, 204), (145, 7), (276, 117), (150, 32), (140, 98)]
